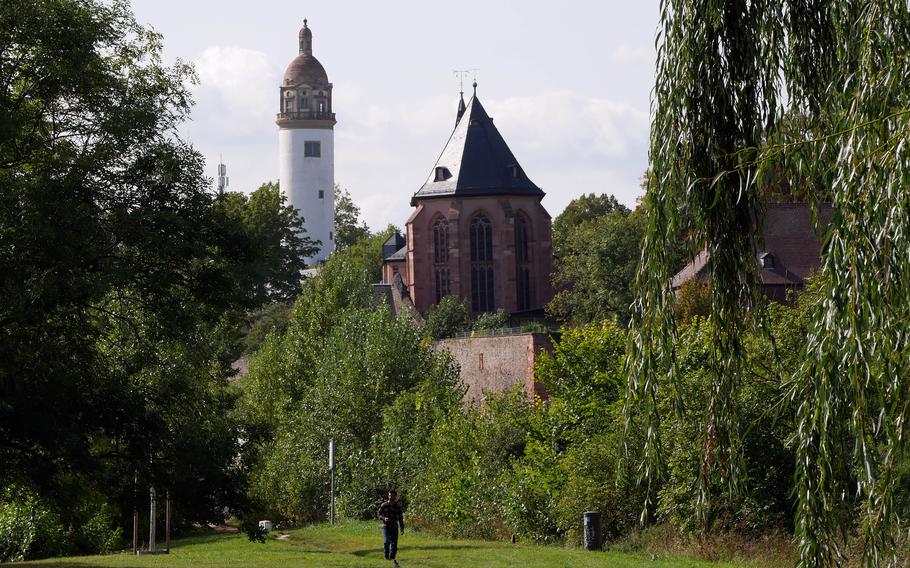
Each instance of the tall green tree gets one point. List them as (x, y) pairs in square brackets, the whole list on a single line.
[(727, 72), (333, 374), (114, 272), (349, 227), (596, 262), (586, 207), (270, 241)]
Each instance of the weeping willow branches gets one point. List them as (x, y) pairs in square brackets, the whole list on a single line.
[(819, 91)]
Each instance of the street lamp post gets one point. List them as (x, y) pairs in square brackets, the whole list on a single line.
[(332, 475)]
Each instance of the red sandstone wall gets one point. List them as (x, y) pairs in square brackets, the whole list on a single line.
[(495, 364), (389, 268), (459, 211)]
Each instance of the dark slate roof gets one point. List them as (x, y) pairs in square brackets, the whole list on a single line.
[(789, 238), (478, 160), (393, 245), (400, 254)]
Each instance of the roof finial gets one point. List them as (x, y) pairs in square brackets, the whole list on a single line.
[(306, 39), (475, 88)]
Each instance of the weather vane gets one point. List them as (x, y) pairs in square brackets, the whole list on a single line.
[(461, 73)]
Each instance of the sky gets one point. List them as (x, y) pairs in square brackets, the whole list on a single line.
[(567, 83)]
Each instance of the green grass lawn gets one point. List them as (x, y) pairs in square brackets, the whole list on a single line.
[(359, 544)]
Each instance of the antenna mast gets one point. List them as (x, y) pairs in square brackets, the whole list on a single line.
[(223, 180)]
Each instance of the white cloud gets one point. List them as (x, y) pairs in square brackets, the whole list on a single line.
[(632, 55), (568, 126), (567, 143), (564, 185), (238, 88)]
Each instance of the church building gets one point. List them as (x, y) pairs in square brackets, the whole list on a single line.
[(306, 144), (478, 230)]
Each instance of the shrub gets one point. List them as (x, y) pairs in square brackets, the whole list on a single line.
[(332, 375), (764, 501), (466, 479), (447, 318), (489, 321), (99, 532), (591, 485), (29, 529), (535, 486)]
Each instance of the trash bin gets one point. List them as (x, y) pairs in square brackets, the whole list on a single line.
[(593, 532)]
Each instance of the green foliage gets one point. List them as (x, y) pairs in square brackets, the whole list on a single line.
[(490, 321), (814, 93), (451, 315), (268, 243), (447, 318), (597, 244), (333, 375), (593, 484), (120, 276), (582, 209), (693, 300), (531, 469), (367, 253), (466, 478), (765, 500), (255, 532), (97, 532), (534, 486), (29, 529), (584, 376), (274, 317), (398, 455), (349, 228)]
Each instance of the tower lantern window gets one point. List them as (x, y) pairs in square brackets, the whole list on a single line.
[(312, 149)]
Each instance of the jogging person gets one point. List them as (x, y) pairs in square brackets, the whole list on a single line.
[(391, 516)]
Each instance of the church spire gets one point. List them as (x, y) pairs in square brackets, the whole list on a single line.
[(306, 39)]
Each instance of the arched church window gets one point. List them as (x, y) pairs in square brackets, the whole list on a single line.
[(482, 284), (441, 258), (440, 241), (522, 262)]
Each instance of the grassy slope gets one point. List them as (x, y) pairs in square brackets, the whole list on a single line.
[(360, 545)]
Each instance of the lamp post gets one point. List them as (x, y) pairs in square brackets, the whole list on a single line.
[(152, 503), (332, 475)]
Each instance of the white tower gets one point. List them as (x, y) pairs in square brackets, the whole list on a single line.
[(306, 144)]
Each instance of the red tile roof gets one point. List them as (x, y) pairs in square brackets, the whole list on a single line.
[(790, 238)]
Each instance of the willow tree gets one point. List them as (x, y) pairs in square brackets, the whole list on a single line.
[(800, 95)]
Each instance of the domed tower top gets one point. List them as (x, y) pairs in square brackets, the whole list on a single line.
[(306, 94), (305, 69)]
